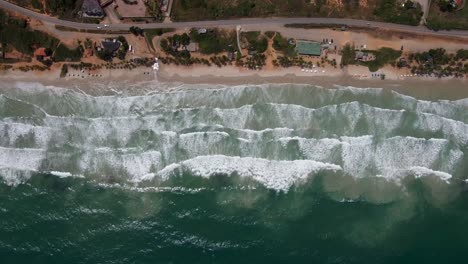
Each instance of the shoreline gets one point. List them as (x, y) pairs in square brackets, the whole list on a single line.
[(170, 76)]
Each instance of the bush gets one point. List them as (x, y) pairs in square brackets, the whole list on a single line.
[(256, 41), (348, 55), (136, 31), (64, 71)]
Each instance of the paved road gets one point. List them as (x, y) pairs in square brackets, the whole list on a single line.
[(248, 21)]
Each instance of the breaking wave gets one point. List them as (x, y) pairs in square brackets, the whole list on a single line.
[(277, 135)]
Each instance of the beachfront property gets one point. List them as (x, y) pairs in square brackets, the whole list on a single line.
[(110, 45), (92, 8), (308, 48), (192, 47), (364, 56), (40, 54)]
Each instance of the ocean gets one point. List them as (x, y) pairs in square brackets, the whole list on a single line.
[(271, 173)]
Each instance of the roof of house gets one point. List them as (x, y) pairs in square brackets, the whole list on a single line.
[(193, 46), (111, 46), (40, 52), (92, 8), (308, 48)]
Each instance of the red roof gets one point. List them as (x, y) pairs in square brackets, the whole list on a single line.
[(40, 52), (459, 2)]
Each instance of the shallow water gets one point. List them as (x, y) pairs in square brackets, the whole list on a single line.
[(277, 173)]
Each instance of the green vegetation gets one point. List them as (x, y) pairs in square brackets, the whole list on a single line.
[(281, 44), (383, 56), (439, 63), (256, 41), (175, 46), (348, 55), (122, 52), (97, 31), (136, 31), (64, 70), (37, 4), (462, 54), (191, 10), (392, 11), (152, 8), (15, 32), (151, 33), (62, 53), (215, 41), (65, 9), (447, 18), (270, 34)]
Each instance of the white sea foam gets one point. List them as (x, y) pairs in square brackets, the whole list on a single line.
[(279, 175), (138, 136), (424, 172)]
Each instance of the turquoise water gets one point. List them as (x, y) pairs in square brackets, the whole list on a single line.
[(269, 173)]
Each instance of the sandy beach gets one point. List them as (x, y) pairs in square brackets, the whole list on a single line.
[(355, 76)]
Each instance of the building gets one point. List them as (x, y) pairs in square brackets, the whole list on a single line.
[(192, 47), (40, 54), (92, 8), (364, 56), (309, 48), (110, 45)]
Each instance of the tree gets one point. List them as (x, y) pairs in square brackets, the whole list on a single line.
[(136, 31), (184, 39), (48, 51), (36, 4)]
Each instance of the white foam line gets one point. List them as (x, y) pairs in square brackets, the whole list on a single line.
[(279, 175)]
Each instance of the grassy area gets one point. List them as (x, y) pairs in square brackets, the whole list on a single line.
[(151, 33), (215, 41), (62, 53), (438, 19), (256, 41), (281, 44)]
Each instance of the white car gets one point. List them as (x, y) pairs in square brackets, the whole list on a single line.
[(105, 25), (98, 27)]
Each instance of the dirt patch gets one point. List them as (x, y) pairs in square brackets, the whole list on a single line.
[(126, 10)]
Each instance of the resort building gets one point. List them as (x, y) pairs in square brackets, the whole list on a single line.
[(110, 45), (309, 48), (364, 56)]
